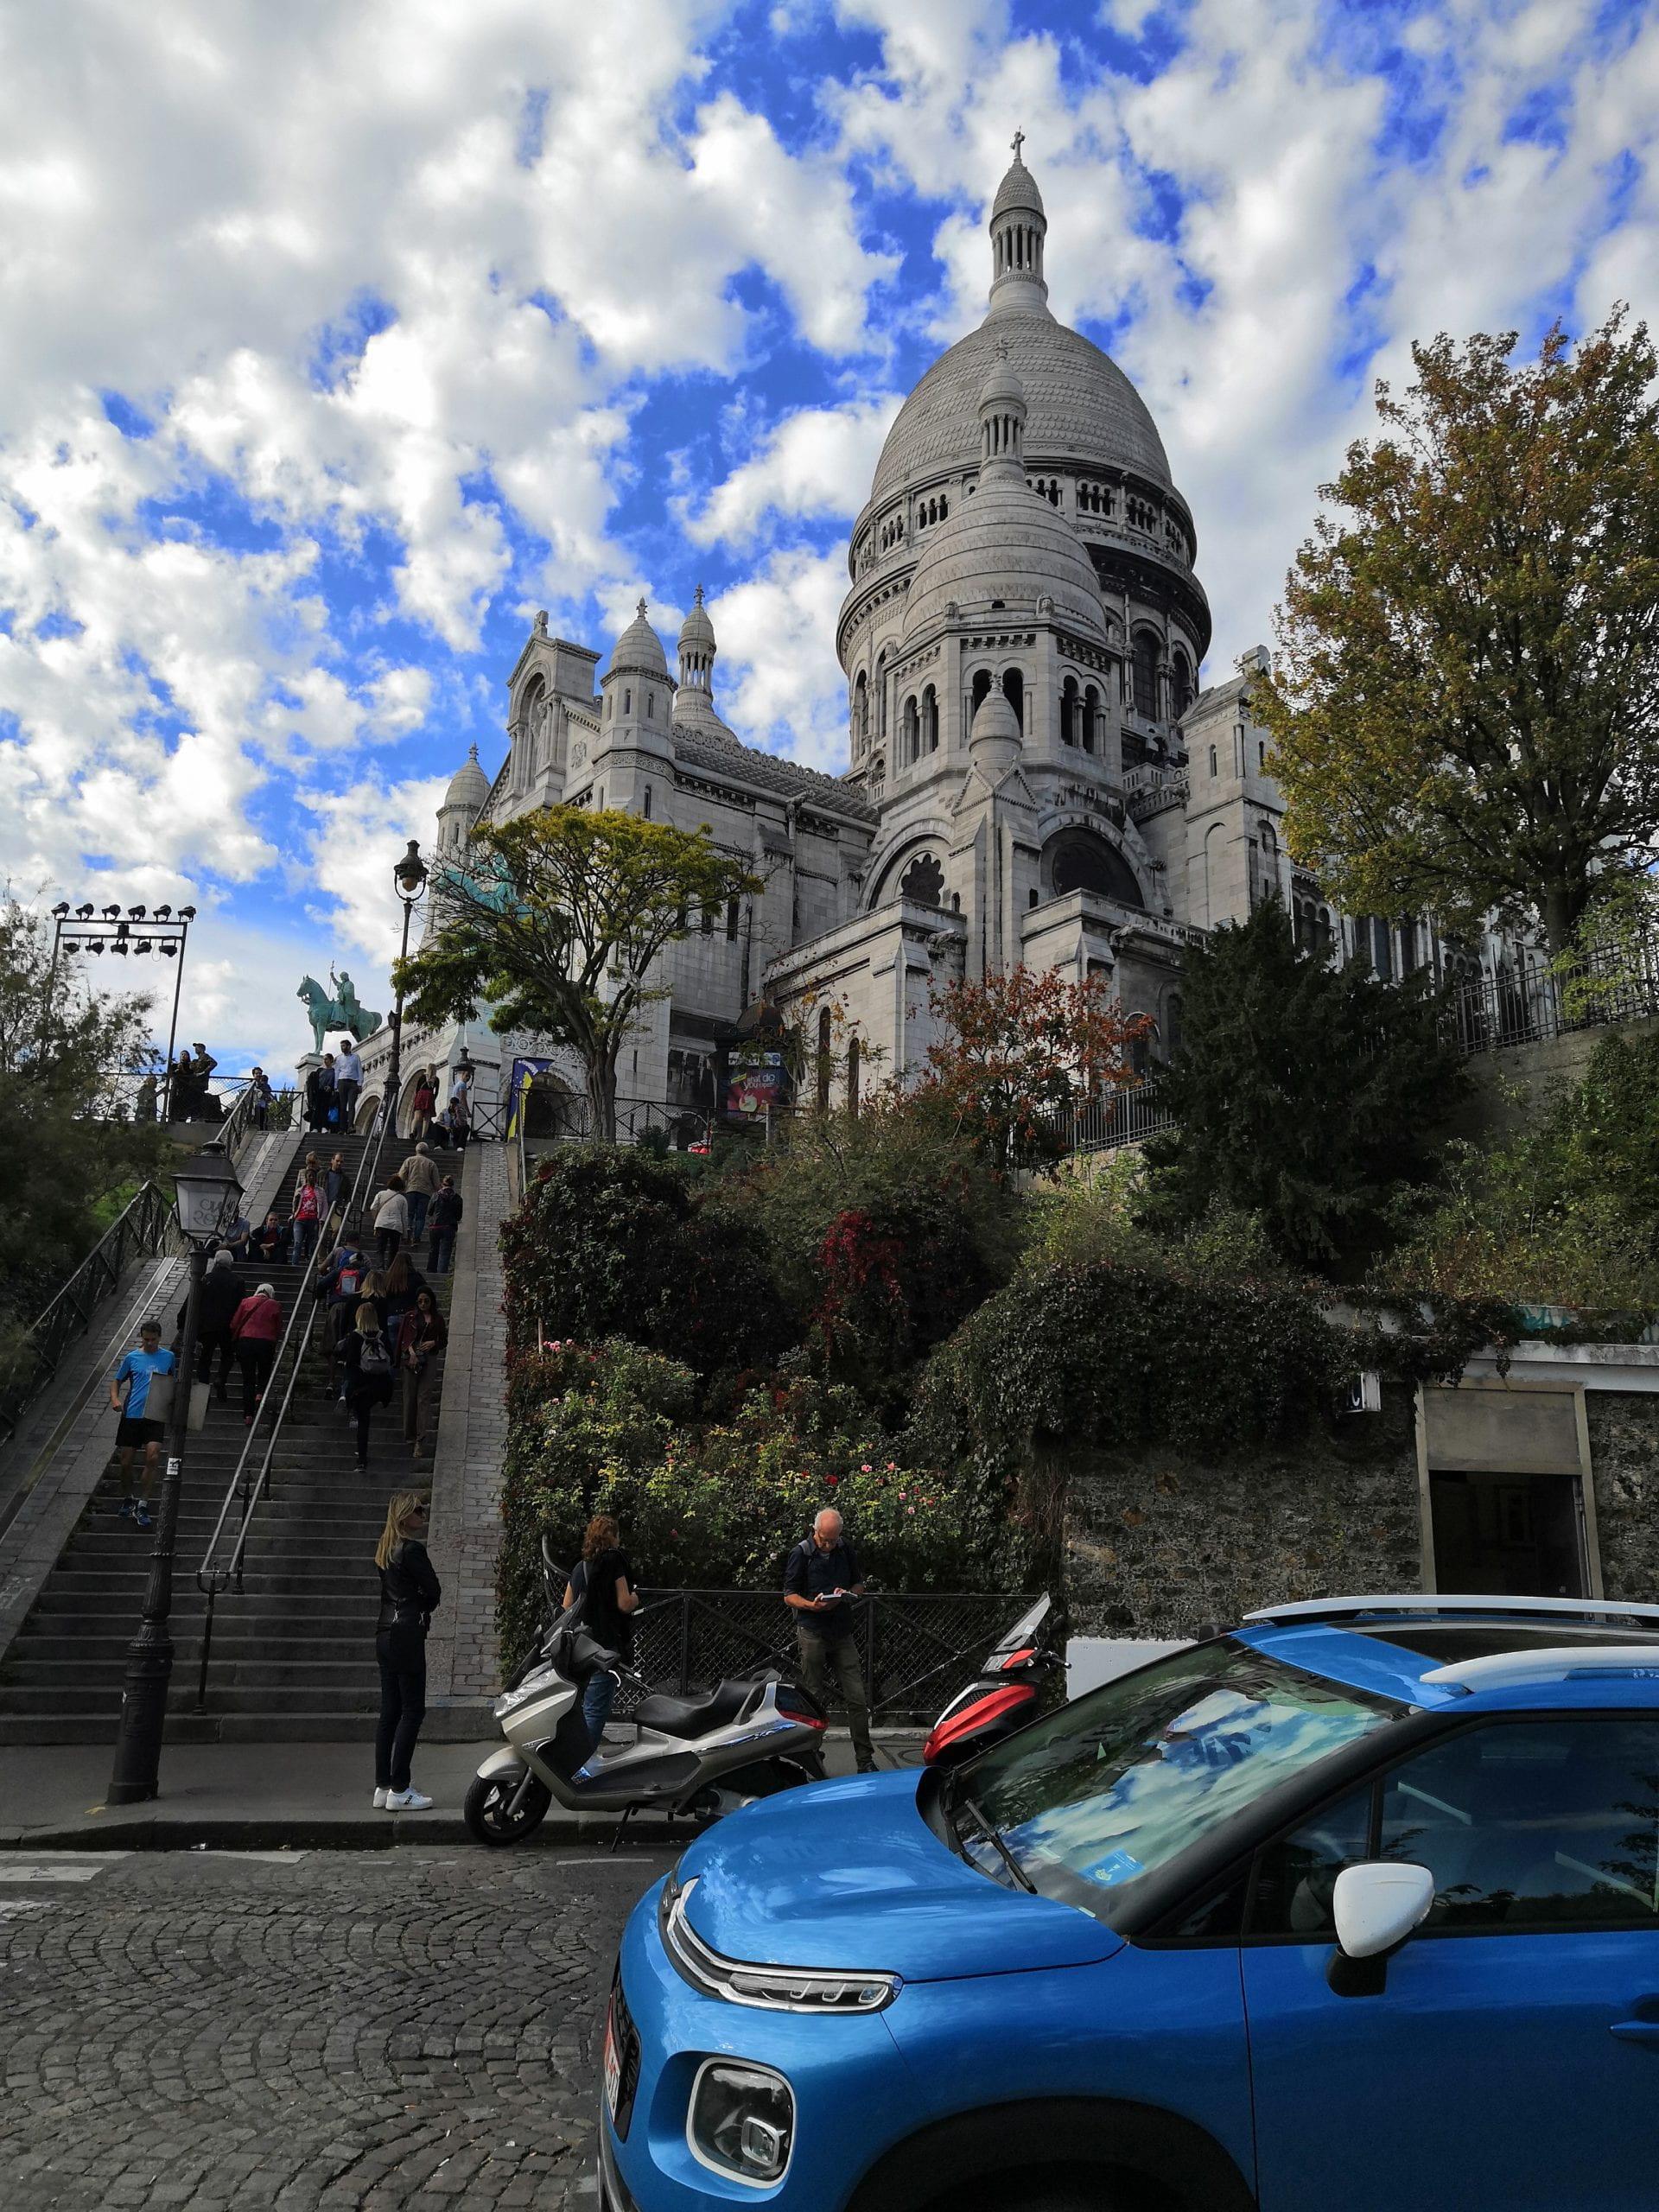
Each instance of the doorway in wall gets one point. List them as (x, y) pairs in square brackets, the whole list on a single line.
[(1509, 1535)]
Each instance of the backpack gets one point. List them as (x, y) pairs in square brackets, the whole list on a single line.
[(373, 1358)]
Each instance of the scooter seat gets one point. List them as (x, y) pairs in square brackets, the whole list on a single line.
[(696, 1716)]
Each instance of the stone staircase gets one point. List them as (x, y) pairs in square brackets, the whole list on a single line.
[(292, 1657)]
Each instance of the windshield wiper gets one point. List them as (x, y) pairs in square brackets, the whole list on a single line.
[(993, 1838)]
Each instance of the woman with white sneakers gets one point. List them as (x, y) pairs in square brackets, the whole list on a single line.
[(408, 1591)]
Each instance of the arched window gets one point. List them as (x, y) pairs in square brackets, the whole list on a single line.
[(881, 695), (1069, 706), (1181, 682), (628, 701), (1172, 1024), (910, 730), (1079, 861), (1145, 674), (853, 1072), (1090, 717), (826, 1059), (1013, 686), (860, 712), (650, 703), (930, 719), (981, 685), (923, 881)]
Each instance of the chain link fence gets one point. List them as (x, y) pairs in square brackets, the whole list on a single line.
[(916, 1650)]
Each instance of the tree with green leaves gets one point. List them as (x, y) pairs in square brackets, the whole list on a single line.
[(71, 1145), (558, 921), (1466, 710), (1307, 1096)]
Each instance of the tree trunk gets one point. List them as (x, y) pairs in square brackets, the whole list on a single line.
[(601, 1099), (1559, 914)]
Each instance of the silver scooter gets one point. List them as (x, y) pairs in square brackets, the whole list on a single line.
[(705, 1755)]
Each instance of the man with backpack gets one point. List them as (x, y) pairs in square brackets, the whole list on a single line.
[(442, 1219)]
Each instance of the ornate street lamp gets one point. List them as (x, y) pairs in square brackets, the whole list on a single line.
[(410, 876), (209, 1197)]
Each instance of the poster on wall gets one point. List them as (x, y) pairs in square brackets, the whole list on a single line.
[(751, 1090)]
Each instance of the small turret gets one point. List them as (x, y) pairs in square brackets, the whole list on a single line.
[(1017, 229), (995, 743)]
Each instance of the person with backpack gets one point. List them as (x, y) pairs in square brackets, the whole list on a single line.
[(370, 1365), (255, 1328), (222, 1292), (408, 1591), (603, 1577)]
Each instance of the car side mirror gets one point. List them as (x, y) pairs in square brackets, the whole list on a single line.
[(1376, 1907)]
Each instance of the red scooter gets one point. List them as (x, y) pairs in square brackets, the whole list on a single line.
[(1005, 1695)]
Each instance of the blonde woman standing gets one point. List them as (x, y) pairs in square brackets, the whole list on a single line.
[(409, 1591)]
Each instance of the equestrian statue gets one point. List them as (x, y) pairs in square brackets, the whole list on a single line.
[(341, 1013)]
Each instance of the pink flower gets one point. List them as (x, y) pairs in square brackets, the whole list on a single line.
[(867, 1469), (904, 1494), (910, 1509)]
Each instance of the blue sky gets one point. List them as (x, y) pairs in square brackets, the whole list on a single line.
[(345, 337)]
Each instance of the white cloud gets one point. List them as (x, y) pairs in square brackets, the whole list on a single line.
[(358, 837), (817, 461), (777, 680)]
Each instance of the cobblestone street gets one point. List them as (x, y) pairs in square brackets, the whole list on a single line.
[(401, 2029)]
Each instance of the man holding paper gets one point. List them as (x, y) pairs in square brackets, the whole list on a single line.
[(821, 1578)]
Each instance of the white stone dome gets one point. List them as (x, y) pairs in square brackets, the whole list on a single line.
[(1081, 407), (697, 630), (640, 648), (1004, 541), (1017, 189), (469, 786)]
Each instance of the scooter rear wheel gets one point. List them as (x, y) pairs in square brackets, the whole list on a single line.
[(486, 1815)]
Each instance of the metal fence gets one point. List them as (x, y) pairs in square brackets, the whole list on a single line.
[(146, 1228), (1116, 1119), (1529, 1002), (916, 1650)]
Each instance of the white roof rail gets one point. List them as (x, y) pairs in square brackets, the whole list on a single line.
[(1587, 1609), (1505, 1670)]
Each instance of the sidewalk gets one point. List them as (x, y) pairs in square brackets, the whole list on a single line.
[(261, 1797)]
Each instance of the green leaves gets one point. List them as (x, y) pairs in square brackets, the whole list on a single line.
[(1466, 715), (1305, 1095), (557, 920)]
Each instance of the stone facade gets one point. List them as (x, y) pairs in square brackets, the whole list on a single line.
[(1160, 1546), (1624, 1455)]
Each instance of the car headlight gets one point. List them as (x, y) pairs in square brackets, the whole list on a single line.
[(742, 2122), (773, 1989)]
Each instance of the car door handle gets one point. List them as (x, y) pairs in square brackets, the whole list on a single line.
[(1637, 2032)]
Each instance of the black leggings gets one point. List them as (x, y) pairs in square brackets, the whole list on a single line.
[(363, 1399), (254, 1357), (402, 1655)]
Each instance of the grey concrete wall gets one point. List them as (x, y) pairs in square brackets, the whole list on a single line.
[(1625, 1458), (1514, 1086), (1157, 1545)]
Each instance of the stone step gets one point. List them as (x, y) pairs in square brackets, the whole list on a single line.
[(333, 1690), (240, 1643)]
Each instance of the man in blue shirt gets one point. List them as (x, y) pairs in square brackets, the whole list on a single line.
[(821, 1580), (137, 1430)]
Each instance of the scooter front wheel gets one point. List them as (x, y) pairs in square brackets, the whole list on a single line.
[(489, 1813)]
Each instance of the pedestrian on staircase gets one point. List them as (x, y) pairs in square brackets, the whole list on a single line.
[(403, 1282), (420, 1173), (336, 1181), (391, 1220), (259, 1085), (422, 1106), (459, 1115), (348, 1080), (422, 1336), (222, 1292), (137, 1432), (307, 1217), (443, 1219), (409, 1591), (369, 1362), (255, 1328)]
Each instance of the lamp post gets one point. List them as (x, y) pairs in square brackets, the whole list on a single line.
[(410, 876), (139, 931), (209, 1196)]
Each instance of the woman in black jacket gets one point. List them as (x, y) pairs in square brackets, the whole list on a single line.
[(222, 1292), (371, 1362), (408, 1591)]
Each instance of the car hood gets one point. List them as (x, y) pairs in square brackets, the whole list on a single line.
[(847, 1874)]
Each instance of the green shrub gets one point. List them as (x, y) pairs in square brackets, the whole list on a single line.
[(610, 1242), (717, 1505)]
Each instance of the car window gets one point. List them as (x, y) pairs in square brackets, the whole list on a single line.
[(1296, 1874), (1533, 1824), (1093, 1797)]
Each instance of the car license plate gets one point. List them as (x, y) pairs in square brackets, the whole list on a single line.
[(611, 2070)]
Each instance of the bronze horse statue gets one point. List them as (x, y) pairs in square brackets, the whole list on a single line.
[(342, 1013)]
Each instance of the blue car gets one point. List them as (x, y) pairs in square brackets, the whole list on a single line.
[(1354, 1910)]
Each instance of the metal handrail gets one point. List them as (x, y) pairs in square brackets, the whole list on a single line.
[(146, 1227), (211, 1578)]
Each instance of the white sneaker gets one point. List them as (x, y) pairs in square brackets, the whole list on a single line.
[(380, 1797), (407, 1801)]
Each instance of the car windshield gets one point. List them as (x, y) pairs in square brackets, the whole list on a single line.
[(1104, 1791)]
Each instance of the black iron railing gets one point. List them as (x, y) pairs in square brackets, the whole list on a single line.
[(1529, 1001), (916, 1651), (1114, 1119), (147, 1227)]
